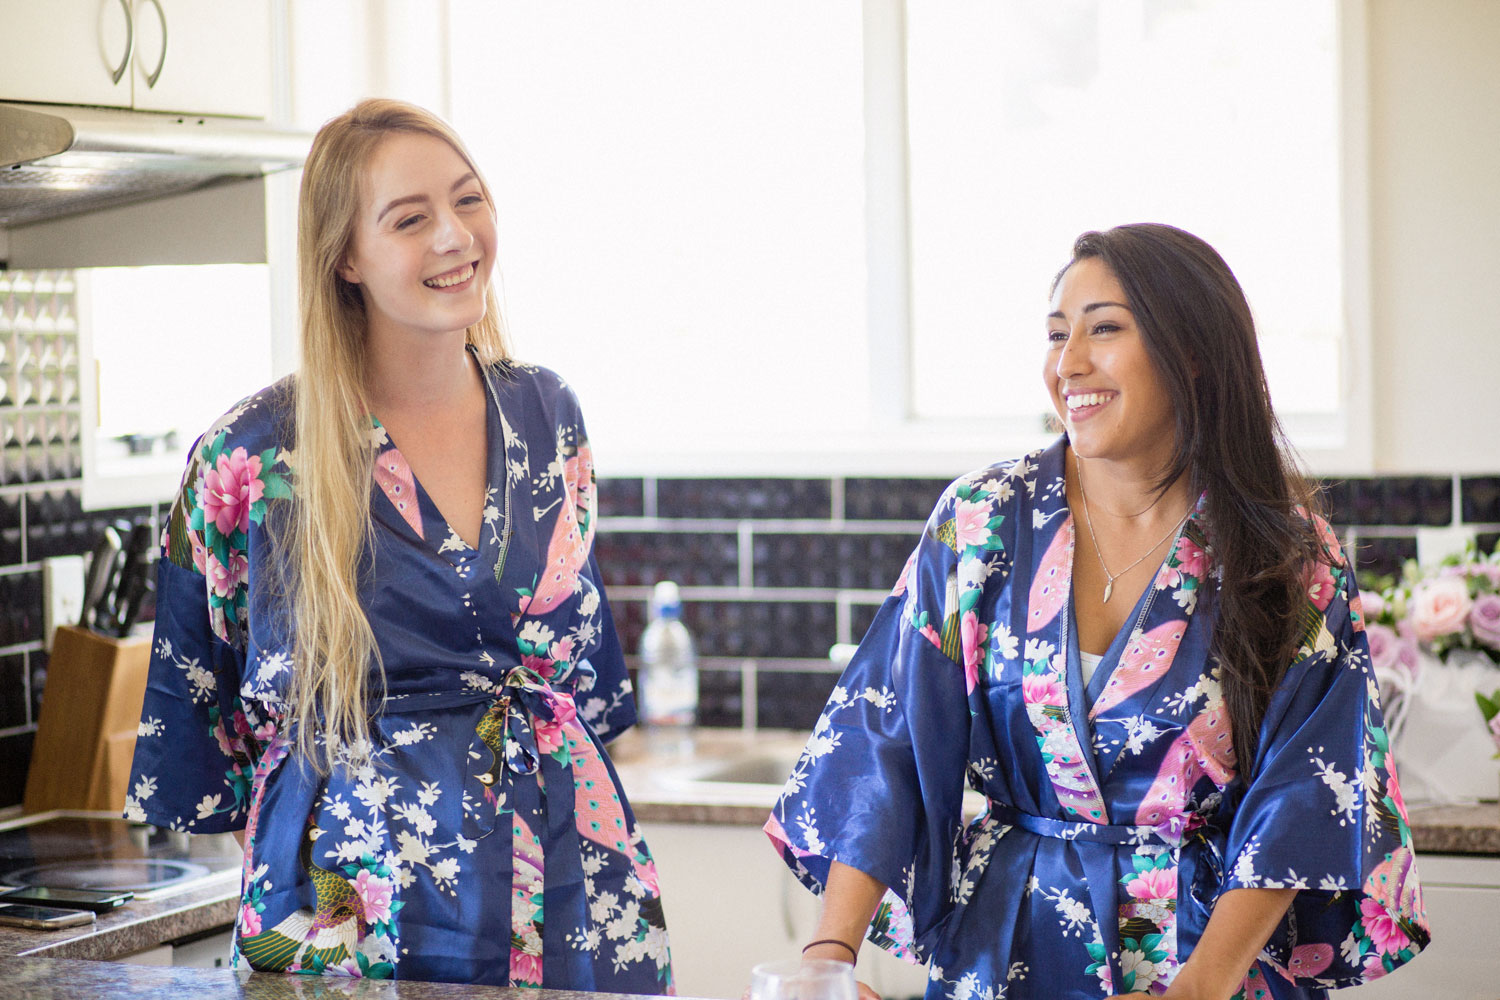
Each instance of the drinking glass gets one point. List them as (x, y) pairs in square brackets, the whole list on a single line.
[(798, 979)]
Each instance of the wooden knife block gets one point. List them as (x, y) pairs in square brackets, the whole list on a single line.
[(91, 709)]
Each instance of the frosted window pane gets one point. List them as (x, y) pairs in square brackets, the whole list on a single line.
[(680, 193), (1032, 122)]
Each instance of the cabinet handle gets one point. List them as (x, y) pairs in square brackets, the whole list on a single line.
[(155, 74), (119, 71)]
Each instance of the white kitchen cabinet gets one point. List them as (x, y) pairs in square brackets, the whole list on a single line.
[(217, 59), (187, 56), (65, 51), (731, 903), (1462, 893)]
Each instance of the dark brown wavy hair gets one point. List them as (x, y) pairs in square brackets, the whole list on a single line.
[(1200, 337)]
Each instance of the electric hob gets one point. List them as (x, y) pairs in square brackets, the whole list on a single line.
[(87, 850)]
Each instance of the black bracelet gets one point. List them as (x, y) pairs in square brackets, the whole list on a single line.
[(841, 944)]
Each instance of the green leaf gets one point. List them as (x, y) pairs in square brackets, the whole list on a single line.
[(1489, 706), (276, 487)]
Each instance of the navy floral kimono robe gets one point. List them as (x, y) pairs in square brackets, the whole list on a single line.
[(487, 839), (1113, 816)]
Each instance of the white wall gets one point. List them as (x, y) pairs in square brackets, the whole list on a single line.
[(1434, 100)]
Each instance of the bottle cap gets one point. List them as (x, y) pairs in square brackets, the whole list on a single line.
[(666, 599)]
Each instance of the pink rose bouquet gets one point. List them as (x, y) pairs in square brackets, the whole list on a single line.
[(1454, 606)]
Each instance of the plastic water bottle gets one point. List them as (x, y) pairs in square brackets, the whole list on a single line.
[(669, 666)]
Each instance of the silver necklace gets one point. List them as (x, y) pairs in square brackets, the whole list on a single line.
[(1110, 578)]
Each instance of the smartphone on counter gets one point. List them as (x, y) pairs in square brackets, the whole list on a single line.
[(42, 918), (97, 900)]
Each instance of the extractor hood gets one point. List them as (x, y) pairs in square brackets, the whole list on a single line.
[(57, 161)]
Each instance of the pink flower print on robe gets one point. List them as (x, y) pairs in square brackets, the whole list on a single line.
[(375, 892), (249, 921), (1384, 932), (572, 536), (230, 488), (1191, 561), (1153, 883), (973, 635), (226, 579), (551, 735), (971, 524), (1043, 689)]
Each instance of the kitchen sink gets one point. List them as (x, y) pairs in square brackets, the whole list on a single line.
[(757, 768), (762, 769)]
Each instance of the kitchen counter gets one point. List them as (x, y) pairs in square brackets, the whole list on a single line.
[(1468, 829), (136, 926), (46, 979)]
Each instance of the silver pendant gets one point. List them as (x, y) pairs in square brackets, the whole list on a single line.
[(1109, 588)]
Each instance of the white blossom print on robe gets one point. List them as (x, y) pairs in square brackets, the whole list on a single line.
[(482, 835), (1115, 813)]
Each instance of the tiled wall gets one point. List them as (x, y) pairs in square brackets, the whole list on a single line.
[(773, 571), (40, 511)]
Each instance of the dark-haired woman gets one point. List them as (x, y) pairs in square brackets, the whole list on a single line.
[(1148, 656)]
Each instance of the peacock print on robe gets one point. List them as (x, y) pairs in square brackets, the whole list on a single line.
[(482, 835), (1107, 817)]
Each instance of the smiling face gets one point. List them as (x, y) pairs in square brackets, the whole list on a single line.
[(424, 240), (1102, 382)]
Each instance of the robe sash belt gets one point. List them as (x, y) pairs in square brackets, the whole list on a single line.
[(1197, 848), (527, 722)]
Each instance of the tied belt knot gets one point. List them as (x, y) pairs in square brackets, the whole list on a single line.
[(1195, 843), (1172, 832), (525, 721)]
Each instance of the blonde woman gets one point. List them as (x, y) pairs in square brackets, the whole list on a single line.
[(381, 648)]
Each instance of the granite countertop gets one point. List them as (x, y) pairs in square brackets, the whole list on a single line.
[(53, 979), (136, 926)]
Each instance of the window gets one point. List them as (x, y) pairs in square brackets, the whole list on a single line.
[(681, 216), (1031, 122), (818, 237)]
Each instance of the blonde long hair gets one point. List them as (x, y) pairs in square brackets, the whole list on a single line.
[(333, 646)]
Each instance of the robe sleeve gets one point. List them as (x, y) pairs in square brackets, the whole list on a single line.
[(879, 786), (192, 764), (1324, 813)]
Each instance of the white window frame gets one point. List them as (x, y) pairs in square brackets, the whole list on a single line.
[(1340, 444)]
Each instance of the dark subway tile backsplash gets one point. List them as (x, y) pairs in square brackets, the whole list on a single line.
[(1399, 501), (15, 760), (891, 499), (721, 698), (1384, 556), (846, 561), (741, 499), (1481, 499), (792, 699), (20, 611), (13, 707), (621, 497), (762, 629), (693, 559)]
